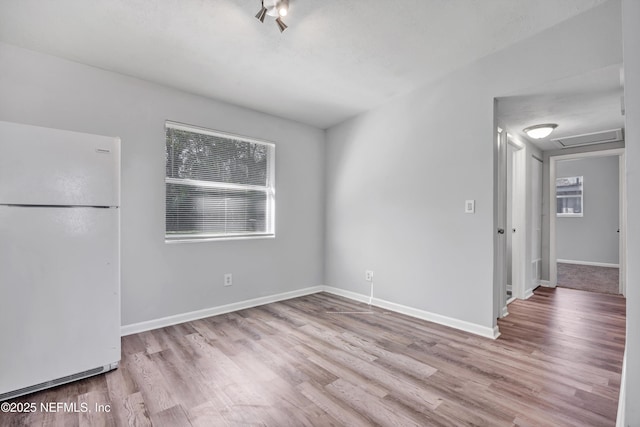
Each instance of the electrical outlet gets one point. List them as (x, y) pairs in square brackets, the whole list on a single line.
[(368, 276), (228, 279)]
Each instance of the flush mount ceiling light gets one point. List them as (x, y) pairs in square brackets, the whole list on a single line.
[(276, 8), (540, 131)]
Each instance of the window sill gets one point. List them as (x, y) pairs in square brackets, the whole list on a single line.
[(218, 239)]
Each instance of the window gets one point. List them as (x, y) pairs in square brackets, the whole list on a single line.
[(569, 196), (217, 185)]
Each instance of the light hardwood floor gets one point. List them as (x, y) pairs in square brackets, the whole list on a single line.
[(294, 363)]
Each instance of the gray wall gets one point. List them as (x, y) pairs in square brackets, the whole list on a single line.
[(631, 31), (592, 237), (161, 279), (397, 177)]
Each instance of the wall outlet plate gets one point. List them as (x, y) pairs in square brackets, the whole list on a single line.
[(228, 279), (368, 276)]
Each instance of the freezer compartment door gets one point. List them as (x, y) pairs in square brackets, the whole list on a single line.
[(42, 166), (60, 293)]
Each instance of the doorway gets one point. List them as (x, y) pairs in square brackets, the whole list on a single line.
[(587, 221)]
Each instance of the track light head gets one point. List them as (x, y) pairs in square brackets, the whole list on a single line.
[(281, 25), (260, 15)]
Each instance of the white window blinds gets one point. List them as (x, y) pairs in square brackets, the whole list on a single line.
[(217, 185), (569, 192)]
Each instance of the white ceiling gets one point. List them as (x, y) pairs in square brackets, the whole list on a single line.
[(338, 58), (587, 103)]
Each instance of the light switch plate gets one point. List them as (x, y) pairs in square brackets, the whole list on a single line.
[(469, 206)]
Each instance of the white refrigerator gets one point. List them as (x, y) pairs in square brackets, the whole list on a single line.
[(59, 257)]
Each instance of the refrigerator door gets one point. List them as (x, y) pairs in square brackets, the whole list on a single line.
[(42, 166), (60, 293)]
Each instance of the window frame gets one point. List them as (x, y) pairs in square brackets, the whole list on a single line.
[(268, 189), (568, 196)]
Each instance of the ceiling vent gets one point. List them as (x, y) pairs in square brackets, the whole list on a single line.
[(613, 135)]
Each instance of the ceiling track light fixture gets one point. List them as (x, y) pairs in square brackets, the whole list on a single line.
[(263, 12), (275, 8), (281, 25), (540, 131)]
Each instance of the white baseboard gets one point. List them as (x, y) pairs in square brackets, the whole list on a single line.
[(528, 293), (546, 284), (505, 312), (162, 322), (495, 333), (348, 294), (591, 263), (462, 325), (621, 418)]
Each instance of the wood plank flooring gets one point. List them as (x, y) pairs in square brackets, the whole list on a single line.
[(294, 363)]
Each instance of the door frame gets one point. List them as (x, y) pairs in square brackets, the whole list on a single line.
[(519, 220), (503, 139), (500, 241), (535, 280), (622, 241)]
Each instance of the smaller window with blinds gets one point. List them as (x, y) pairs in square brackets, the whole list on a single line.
[(218, 186), (569, 195)]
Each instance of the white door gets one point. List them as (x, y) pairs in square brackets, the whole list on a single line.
[(509, 218), (500, 289), (516, 218)]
